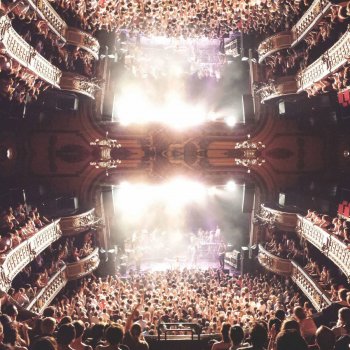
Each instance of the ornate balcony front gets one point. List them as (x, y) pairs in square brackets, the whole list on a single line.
[(309, 287), (282, 87), (310, 18), (18, 49), (73, 225), (83, 40), (50, 16), (282, 220), (48, 293), (274, 263), (273, 44), (336, 57), (84, 266), (78, 84), (329, 245), (25, 252)]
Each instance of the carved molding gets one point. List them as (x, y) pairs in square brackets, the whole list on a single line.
[(72, 225), (274, 263), (45, 11), (309, 19), (44, 298), (273, 44), (83, 40), (283, 221), (278, 88), (18, 49), (309, 287), (334, 58), (84, 266), (77, 83), (25, 252), (329, 245)]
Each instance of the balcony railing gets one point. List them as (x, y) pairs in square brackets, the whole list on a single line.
[(273, 44), (310, 18), (18, 49), (327, 64), (309, 287), (72, 225), (280, 219), (48, 293), (78, 84), (52, 18), (25, 252), (329, 245), (83, 40), (283, 86), (274, 263), (84, 266)]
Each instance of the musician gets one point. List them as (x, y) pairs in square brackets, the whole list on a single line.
[(221, 253)]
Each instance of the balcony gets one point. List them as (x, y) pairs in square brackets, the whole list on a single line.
[(18, 49), (282, 87), (273, 44), (78, 84), (46, 12), (274, 263), (84, 266), (309, 287), (327, 64), (25, 252), (73, 225), (282, 220), (48, 293), (329, 245), (83, 40), (308, 21)]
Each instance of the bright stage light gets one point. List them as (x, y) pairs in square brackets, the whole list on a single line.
[(212, 191), (231, 186), (230, 121)]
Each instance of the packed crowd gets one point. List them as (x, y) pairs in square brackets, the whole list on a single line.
[(312, 261), (208, 18), (335, 226), (105, 313), (16, 225)]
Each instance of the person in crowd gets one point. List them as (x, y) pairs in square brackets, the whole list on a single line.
[(325, 338), (306, 324), (65, 336), (114, 336), (236, 336), (225, 343), (258, 337)]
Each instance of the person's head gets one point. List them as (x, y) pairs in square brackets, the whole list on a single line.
[(45, 343), (10, 334), (280, 314), (49, 312), (258, 335), (48, 326), (225, 329), (299, 313), (325, 338), (290, 324), (11, 310), (290, 340), (114, 334), (274, 322), (344, 317), (65, 334), (79, 328), (236, 335), (342, 294), (136, 330)]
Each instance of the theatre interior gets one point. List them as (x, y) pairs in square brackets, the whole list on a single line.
[(174, 174)]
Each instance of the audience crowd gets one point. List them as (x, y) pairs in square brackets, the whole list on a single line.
[(16, 225), (209, 18)]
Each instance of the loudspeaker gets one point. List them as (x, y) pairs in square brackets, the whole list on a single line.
[(286, 199), (248, 108), (67, 203), (248, 198), (245, 261)]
